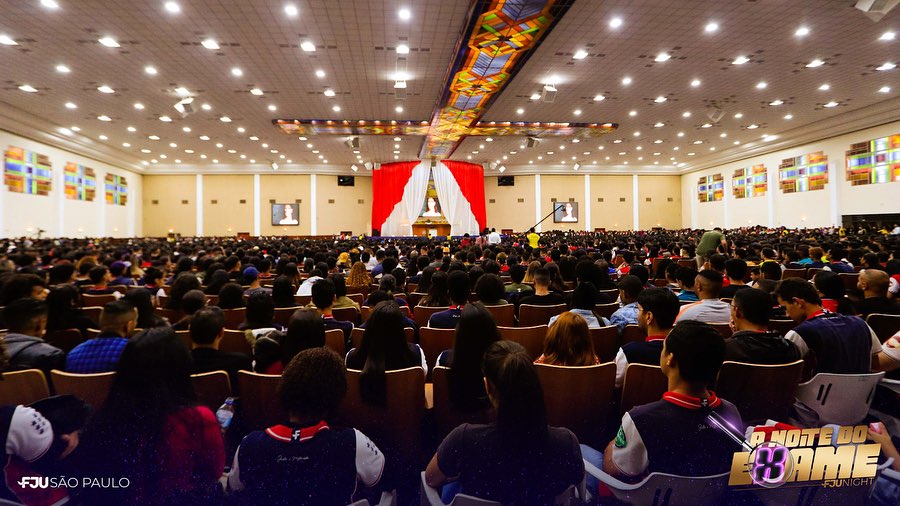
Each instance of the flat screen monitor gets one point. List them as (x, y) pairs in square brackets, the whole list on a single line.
[(286, 215), (506, 180), (565, 212), (346, 180)]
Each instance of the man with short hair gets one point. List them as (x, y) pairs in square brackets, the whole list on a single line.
[(307, 461), (323, 297), (752, 341), (101, 354), (687, 279), (516, 275), (251, 278), (710, 240), (735, 271), (709, 308), (837, 261), (117, 271), (657, 310), (542, 294), (207, 329), (629, 289), (674, 435), (26, 320), (378, 268), (841, 344), (100, 279), (458, 288), (874, 284), (233, 267), (494, 237), (191, 302)]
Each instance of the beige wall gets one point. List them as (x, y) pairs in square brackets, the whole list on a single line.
[(227, 216), (163, 205), (612, 213), (654, 207), (284, 189), (351, 208), (506, 211), (563, 189)]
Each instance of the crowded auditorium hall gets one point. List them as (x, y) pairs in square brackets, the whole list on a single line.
[(450, 252)]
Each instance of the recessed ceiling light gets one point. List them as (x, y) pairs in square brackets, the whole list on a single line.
[(831, 104), (489, 139), (232, 151), (173, 7), (272, 107), (225, 119), (145, 150), (740, 60), (204, 137), (215, 160), (126, 145), (165, 119), (6, 40), (315, 151), (660, 99), (108, 42), (723, 135), (307, 46), (291, 10), (680, 134), (336, 108), (520, 111), (698, 142), (597, 98), (754, 126), (150, 70), (632, 113), (695, 83), (711, 27), (243, 157), (185, 129), (320, 73), (105, 89), (237, 72), (131, 129), (661, 57), (887, 36), (210, 44), (615, 22), (75, 129), (153, 137), (399, 108), (736, 143), (884, 89), (762, 85), (776, 102), (62, 69), (623, 153), (256, 91), (815, 63), (788, 116), (206, 107), (404, 14), (768, 138), (397, 139), (659, 124), (50, 4), (402, 49), (580, 54), (706, 125), (626, 81), (173, 145), (329, 93), (658, 141), (104, 117), (535, 96), (264, 145), (739, 115), (577, 112), (802, 31), (636, 134), (71, 105), (182, 91), (617, 141), (887, 66), (309, 145)]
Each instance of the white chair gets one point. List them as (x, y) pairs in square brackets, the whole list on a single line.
[(386, 499), (893, 385), (841, 399), (817, 494), (665, 489), (431, 497)]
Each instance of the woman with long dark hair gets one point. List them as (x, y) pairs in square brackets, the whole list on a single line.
[(215, 281), (142, 300), (151, 431), (437, 295), (425, 279), (231, 296), (184, 283), (517, 459), (64, 310), (475, 332), (283, 292), (383, 348)]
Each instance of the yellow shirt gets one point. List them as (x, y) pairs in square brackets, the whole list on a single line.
[(533, 239)]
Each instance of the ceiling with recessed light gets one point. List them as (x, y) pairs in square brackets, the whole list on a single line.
[(690, 83)]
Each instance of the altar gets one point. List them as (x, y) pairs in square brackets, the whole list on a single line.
[(431, 229)]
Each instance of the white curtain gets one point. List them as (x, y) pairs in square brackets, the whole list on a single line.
[(399, 223), (454, 204)]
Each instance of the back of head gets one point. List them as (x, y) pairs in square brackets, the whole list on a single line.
[(260, 310), (796, 288), (383, 339), (630, 286), (475, 331), (711, 283), (584, 296), (717, 262), (283, 292), (458, 287), (489, 288), (97, 274), (569, 342), (736, 268), (206, 325), (662, 303), (641, 272), (770, 270), (754, 305), (23, 316), (313, 384), (686, 276), (542, 277), (378, 296), (516, 392), (305, 330), (116, 315), (154, 360), (829, 284), (388, 283), (323, 293), (231, 296), (876, 281), (516, 273), (698, 351), (192, 302)]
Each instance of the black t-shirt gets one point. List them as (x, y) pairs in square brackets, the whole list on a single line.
[(551, 299), (760, 348), (524, 474), (729, 291)]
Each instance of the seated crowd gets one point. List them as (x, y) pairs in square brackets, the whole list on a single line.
[(764, 297)]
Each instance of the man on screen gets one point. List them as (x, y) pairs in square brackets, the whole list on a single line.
[(569, 216), (288, 216)]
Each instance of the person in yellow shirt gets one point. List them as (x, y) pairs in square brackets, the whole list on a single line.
[(533, 238)]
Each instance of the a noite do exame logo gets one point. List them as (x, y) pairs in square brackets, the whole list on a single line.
[(827, 456), (63, 482)]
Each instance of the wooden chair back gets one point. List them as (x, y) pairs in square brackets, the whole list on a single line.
[(606, 310), (812, 271), (92, 333), (91, 388), (531, 315), (65, 339), (23, 387), (531, 338), (334, 339), (723, 329), (782, 326), (633, 334), (643, 384), (422, 314), (211, 388), (760, 392), (365, 311), (612, 293), (88, 300), (606, 342), (447, 417), (234, 317), (793, 273), (259, 407), (578, 398), (185, 336), (283, 314), (235, 341), (434, 341), (346, 314), (357, 298), (884, 325), (92, 313), (302, 300), (356, 336), (504, 314), (850, 279)]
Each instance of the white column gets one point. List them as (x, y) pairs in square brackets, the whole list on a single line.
[(538, 214), (834, 183), (636, 205), (256, 205), (199, 205), (586, 210), (313, 229)]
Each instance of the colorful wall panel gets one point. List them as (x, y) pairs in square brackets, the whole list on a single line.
[(875, 161), (750, 182), (27, 172), (116, 190), (80, 182), (804, 173), (711, 188)]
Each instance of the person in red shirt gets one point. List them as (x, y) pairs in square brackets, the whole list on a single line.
[(151, 431)]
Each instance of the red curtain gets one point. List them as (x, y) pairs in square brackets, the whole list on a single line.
[(470, 178), (388, 183)]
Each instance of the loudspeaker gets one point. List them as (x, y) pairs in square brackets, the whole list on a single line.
[(876, 9), (715, 114), (352, 143), (548, 95), (531, 142)]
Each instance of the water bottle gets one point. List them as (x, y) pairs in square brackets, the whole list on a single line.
[(225, 414)]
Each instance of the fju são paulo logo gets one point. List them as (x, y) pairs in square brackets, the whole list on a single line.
[(44, 482)]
